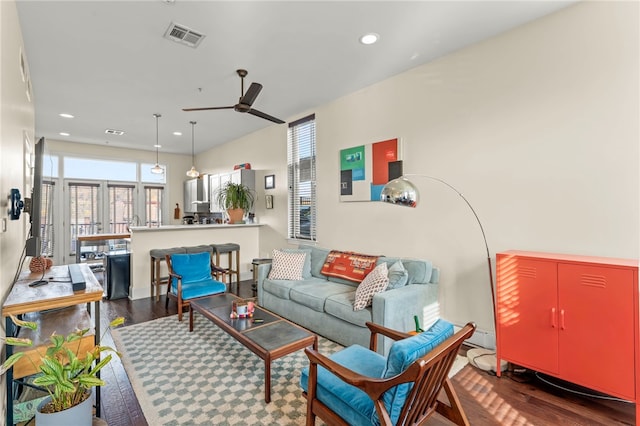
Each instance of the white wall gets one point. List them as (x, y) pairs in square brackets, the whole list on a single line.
[(16, 118), (538, 128)]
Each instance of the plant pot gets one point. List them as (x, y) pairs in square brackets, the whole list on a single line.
[(235, 215), (78, 415)]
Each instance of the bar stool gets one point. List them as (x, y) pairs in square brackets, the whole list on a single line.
[(230, 270), (157, 257)]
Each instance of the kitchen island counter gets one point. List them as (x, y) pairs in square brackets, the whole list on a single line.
[(144, 239), (187, 227)]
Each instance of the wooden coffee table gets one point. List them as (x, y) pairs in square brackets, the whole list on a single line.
[(270, 339)]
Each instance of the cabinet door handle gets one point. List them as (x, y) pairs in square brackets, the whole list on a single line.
[(553, 317), (561, 319)]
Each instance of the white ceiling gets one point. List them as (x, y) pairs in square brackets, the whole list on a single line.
[(107, 63)]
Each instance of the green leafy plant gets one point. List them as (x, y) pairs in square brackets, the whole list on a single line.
[(66, 374), (235, 196)]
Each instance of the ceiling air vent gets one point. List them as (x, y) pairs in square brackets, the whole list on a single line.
[(182, 34), (114, 132)]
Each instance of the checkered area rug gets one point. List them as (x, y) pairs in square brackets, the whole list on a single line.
[(208, 378)]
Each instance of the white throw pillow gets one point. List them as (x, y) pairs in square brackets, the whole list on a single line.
[(375, 282), (287, 266)]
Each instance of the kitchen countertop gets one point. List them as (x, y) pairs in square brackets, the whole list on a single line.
[(135, 229)]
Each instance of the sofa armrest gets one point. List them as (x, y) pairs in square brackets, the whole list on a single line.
[(395, 308), (263, 270)]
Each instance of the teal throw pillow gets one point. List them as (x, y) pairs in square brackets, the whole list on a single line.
[(398, 276)]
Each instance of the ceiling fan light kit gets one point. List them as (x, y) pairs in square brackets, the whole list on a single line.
[(192, 173), (245, 102), (157, 170)]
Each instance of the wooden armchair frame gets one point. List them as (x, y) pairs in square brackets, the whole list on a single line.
[(429, 375)]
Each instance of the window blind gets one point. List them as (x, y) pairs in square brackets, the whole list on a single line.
[(301, 171)]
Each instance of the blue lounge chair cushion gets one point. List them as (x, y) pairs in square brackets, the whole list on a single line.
[(349, 402), (195, 270), (192, 267), (401, 355), (200, 288)]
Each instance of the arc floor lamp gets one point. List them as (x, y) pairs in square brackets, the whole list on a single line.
[(403, 192)]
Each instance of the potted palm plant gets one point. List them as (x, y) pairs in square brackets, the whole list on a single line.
[(236, 198), (66, 374)]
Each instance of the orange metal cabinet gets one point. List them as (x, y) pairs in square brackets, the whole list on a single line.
[(572, 317)]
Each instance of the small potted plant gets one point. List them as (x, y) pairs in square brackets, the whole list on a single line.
[(67, 375), (236, 198)]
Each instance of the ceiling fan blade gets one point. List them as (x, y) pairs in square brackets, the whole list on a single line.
[(265, 116), (251, 95), (207, 108)]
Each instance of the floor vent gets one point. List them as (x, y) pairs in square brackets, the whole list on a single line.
[(181, 34)]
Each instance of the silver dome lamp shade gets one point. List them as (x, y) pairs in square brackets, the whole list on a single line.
[(400, 191)]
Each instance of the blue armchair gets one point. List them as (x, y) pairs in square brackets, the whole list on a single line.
[(358, 386), (190, 277)]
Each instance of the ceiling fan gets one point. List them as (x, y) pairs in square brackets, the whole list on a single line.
[(245, 101)]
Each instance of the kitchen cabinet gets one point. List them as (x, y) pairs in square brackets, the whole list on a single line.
[(245, 176), (571, 317)]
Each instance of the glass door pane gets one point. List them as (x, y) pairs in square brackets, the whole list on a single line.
[(84, 212), (46, 216), (120, 208), (153, 205)]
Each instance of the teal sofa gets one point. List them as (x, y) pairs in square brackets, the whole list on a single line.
[(324, 305)]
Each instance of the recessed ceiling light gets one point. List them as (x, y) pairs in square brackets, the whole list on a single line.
[(65, 115), (64, 134), (369, 38), (157, 146), (177, 133)]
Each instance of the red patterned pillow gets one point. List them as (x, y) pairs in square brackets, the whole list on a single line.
[(348, 265)]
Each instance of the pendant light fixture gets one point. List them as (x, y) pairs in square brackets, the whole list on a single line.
[(193, 173), (157, 169)]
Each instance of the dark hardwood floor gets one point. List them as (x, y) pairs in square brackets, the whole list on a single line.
[(488, 400)]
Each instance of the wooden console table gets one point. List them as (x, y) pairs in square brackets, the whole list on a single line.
[(96, 238), (57, 294)]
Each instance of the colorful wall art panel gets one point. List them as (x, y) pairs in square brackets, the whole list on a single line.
[(364, 170)]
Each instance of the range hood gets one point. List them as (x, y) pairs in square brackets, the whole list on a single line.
[(196, 195)]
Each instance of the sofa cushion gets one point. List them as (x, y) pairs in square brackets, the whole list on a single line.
[(402, 354), (398, 275), (318, 256), (279, 288), (341, 306), (287, 266), (374, 283), (306, 268), (352, 404), (313, 294), (420, 271), (348, 265)]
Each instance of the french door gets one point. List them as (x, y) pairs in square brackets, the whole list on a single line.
[(96, 208)]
